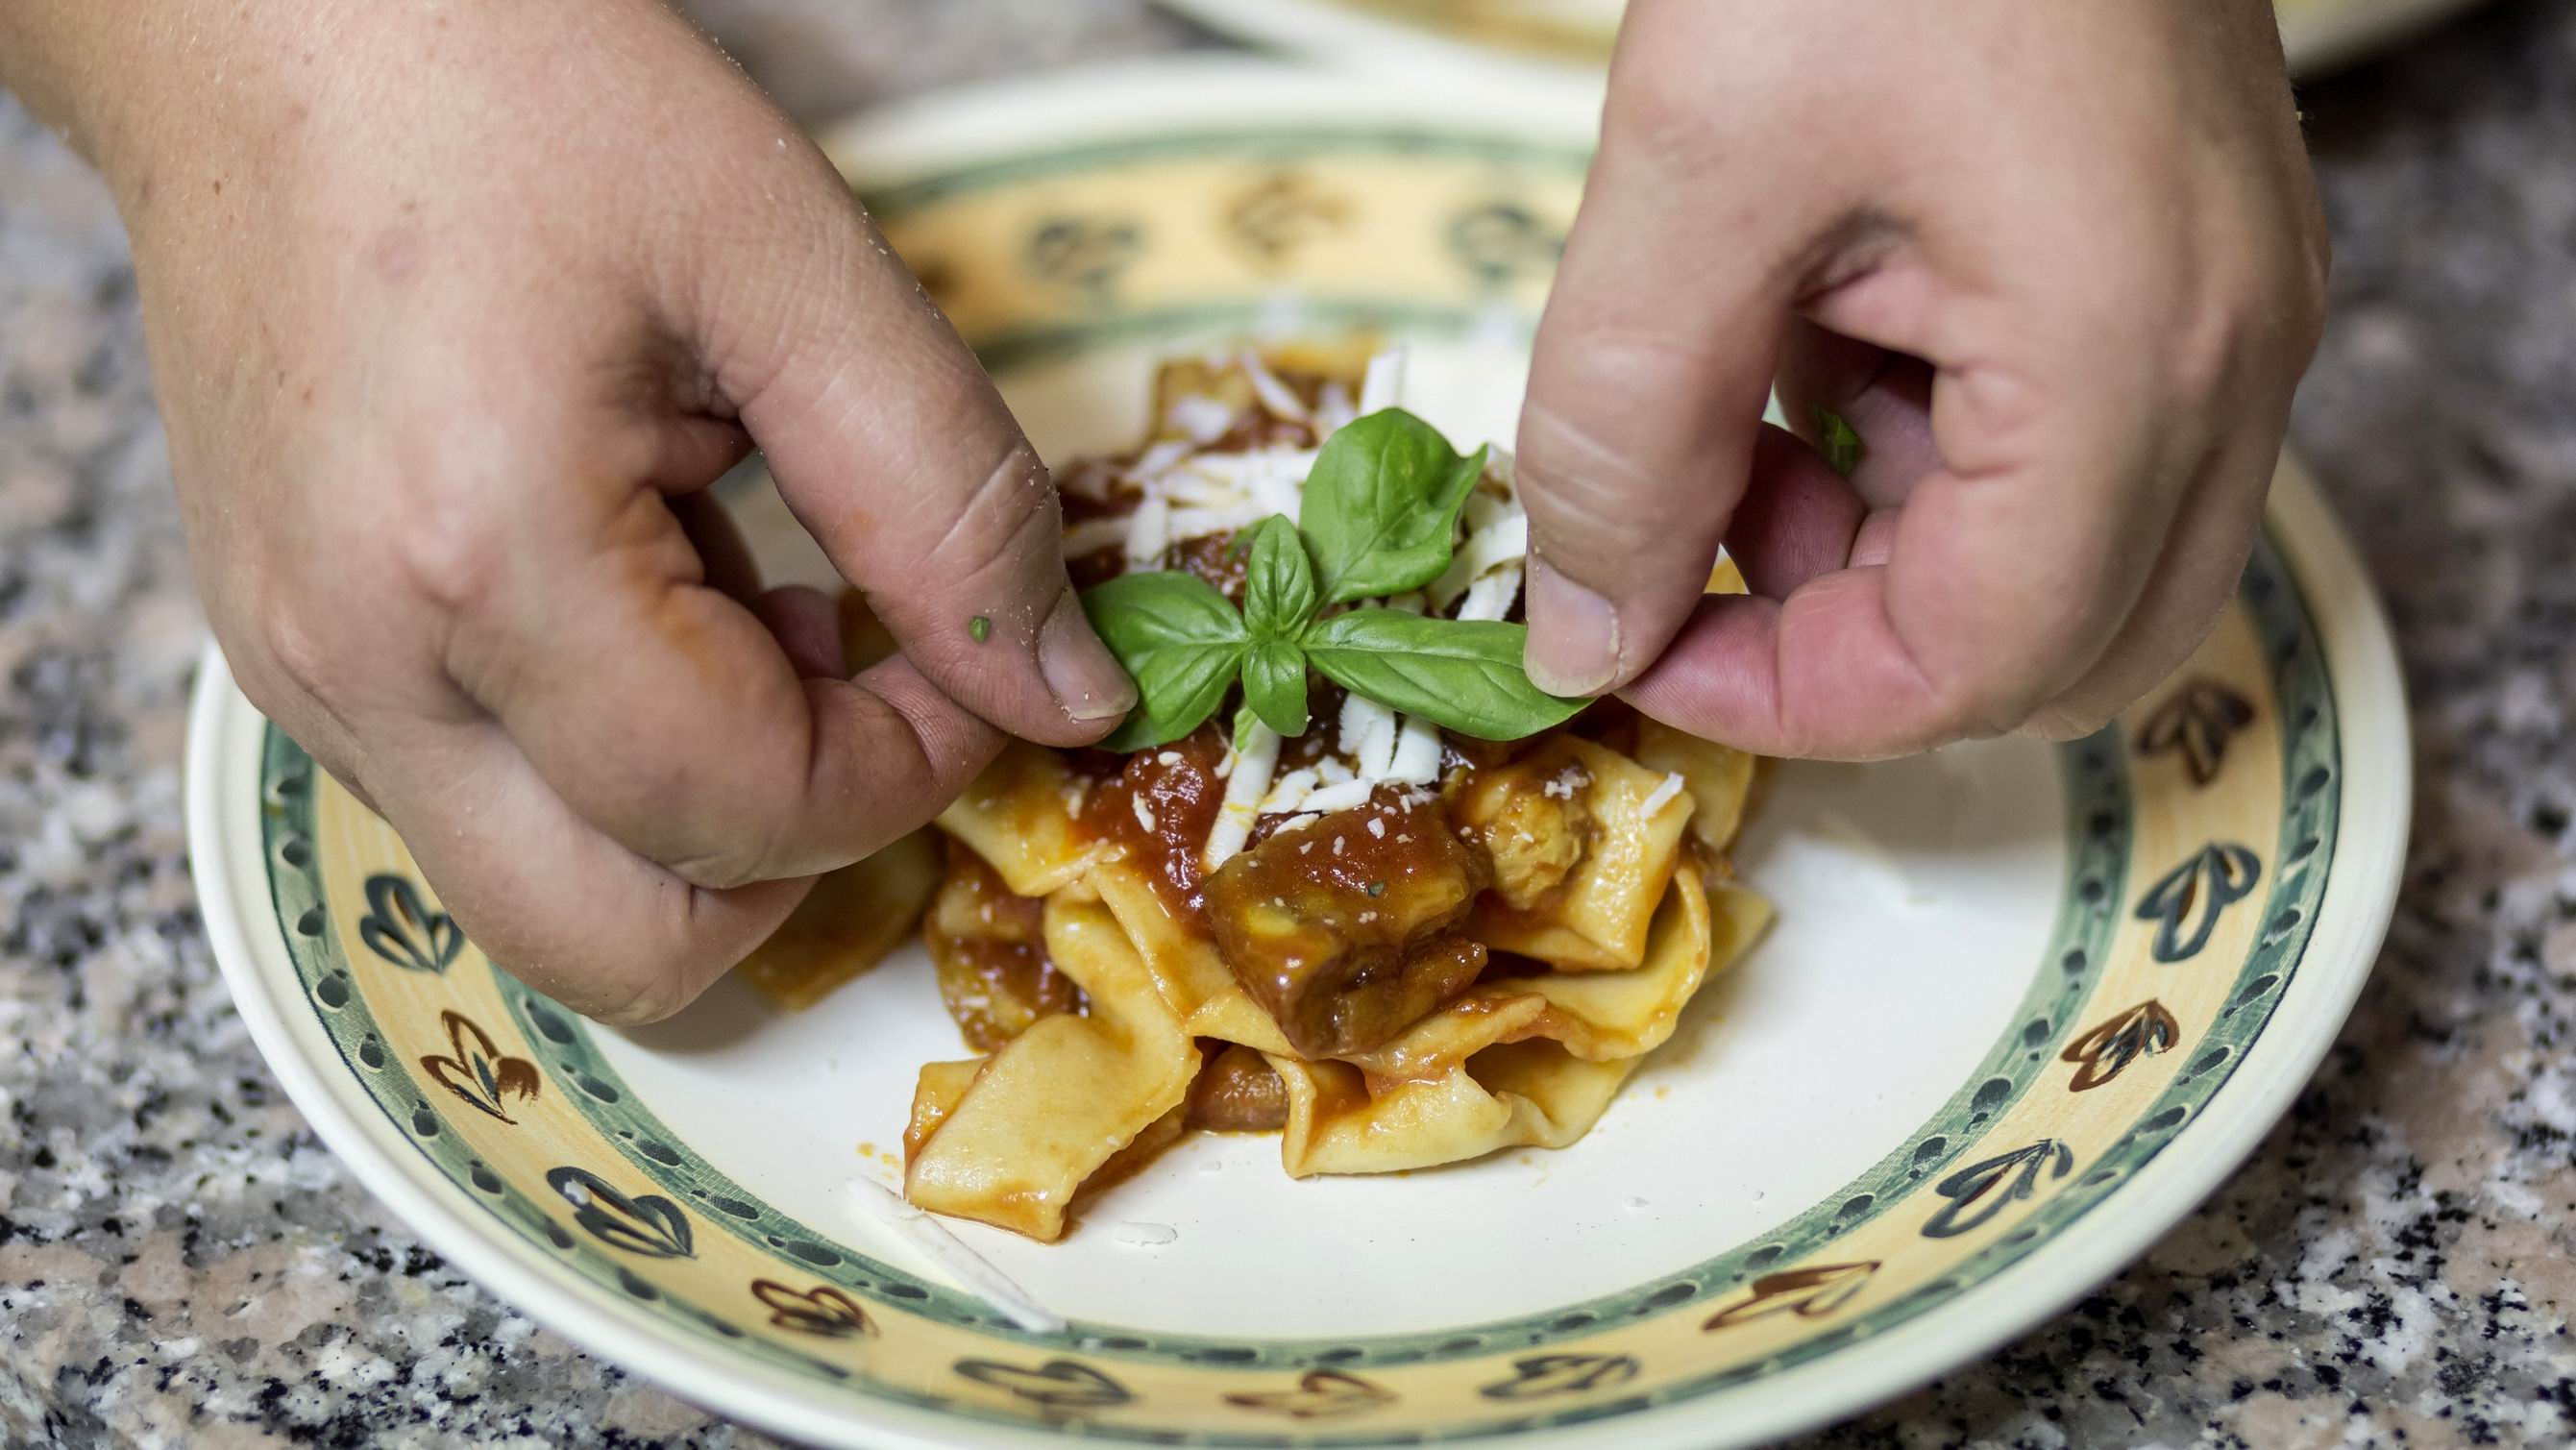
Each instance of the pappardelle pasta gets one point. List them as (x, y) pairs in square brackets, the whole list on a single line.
[(1392, 942)]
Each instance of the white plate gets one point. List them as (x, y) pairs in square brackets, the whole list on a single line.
[(1904, 1130)]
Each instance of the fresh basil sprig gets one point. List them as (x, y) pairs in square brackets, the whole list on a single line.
[(1379, 517)]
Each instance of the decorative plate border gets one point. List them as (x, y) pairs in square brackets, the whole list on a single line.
[(2098, 845)]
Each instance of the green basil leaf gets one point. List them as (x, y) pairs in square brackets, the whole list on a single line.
[(1837, 442), (1274, 685), (1279, 584), (1381, 505), (1181, 643), (1459, 674)]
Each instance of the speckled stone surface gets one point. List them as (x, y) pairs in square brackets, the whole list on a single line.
[(181, 1263)]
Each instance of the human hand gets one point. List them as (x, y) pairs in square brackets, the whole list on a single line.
[(454, 312), (2059, 265)]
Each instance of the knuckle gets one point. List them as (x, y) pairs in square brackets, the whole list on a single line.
[(1658, 112), (439, 535), (722, 868), (293, 651), (634, 999), (1584, 495), (2059, 722), (1004, 523)]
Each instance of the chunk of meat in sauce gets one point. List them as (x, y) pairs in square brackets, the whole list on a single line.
[(1238, 1092), (1531, 819), (1159, 804), (990, 948), (1343, 930)]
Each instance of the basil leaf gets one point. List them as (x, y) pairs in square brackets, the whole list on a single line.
[(1381, 505), (1178, 639), (1274, 685), (1837, 442), (1463, 675), (1279, 584)]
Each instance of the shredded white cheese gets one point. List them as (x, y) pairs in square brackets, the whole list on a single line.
[(1368, 737), (1661, 796), (1384, 386), (1198, 417), (1334, 410), (1158, 460), (1274, 394), (968, 1269), (1491, 597), (1144, 813), (1339, 797), (1243, 792), (1149, 531), (1288, 792), (1416, 760), (1093, 535)]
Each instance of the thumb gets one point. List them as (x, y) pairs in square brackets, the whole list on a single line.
[(895, 452), (1647, 381)]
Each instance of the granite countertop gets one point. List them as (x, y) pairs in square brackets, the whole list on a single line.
[(182, 1263)]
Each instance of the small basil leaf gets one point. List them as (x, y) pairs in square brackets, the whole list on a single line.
[(1181, 643), (1274, 685), (1279, 584), (1461, 675), (1837, 442), (1381, 506)]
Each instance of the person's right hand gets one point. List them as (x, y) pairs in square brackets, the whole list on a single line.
[(2061, 265), (454, 311)]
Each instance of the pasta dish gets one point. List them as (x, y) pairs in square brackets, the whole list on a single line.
[(1343, 876)]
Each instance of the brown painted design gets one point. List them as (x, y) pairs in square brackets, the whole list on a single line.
[(2105, 1052), (1281, 212), (1086, 254), (478, 1073), (1320, 1395), (1981, 1190), (2186, 902), (1543, 1375), (821, 1310), (2197, 723), (1058, 1384), (1810, 1293)]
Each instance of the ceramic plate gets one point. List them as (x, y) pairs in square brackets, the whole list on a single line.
[(2024, 1007), (1569, 40)]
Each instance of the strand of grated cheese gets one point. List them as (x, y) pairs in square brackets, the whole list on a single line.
[(1661, 796), (1417, 753), (970, 1270), (1383, 387), (1274, 394), (1244, 788)]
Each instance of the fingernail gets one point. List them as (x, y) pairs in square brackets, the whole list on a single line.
[(1573, 638), (1080, 670)]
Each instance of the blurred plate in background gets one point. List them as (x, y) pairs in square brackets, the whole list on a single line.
[(1563, 41)]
